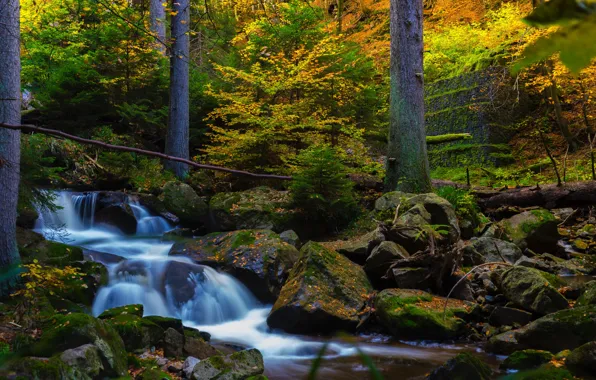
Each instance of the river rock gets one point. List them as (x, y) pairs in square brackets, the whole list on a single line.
[(120, 216), (530, 290), (411, 278), (589, 295), (582, 360), (535, 229), (463, 366), (415, 314), (181, 279), (173, 343), (199, 348), (188, 366), (157, 206), (134, 309), (565, 329), (181, 200), (136, 332), (258, 208), (237, 366), (358, 248), (507, 316), (526, 359), (485, 250), (382, 256), (324, 293), (85, 358), (258, 258), (291, 238)]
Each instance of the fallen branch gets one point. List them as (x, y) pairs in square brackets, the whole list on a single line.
[(53, 132)]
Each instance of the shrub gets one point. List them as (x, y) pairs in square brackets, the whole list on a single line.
[(463, 201)]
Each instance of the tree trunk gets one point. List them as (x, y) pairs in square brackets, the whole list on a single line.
[(10, 112), (178, 134), (157, 14), (407, 160)]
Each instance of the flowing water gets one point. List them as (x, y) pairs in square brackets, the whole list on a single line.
[(213, 301)]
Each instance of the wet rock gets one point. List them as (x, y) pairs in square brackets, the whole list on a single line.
[(536, 230), (359, 248), (237, 366), (166, 322), (192, 332), (582, 360), (258, 258), (120, 216), (412, 278), (178, 234), (463, 366), (156, 206), (173, 343), (414, 314), (381, 258), (291, 238), (33, 246), (86, 358), (485, 250), (198, 348), (530, 290), (324, 293), (506, 316), (188, 365), (182, 277), (589, 295), (258, 208), (101, 257), (526, 359), (181, 200)]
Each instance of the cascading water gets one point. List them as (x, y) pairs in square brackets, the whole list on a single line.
[(199, 295)]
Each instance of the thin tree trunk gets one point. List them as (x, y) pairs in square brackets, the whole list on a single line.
[(553, 92), (178, 134), (157, 14), (407, 159), (10, 112)]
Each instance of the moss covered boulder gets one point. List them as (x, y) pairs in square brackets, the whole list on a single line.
[(588, 296), (415, 314), (181, 200), (324, 293), (441, 213), (359, 248), (135, 309), (258, 208), (486, 249), (237, 366), (526, 359), (85, 358), (530, 289), (36, 368), (582, 360), (535, 229), (565, 329), (33, 246), (545, 372), (464, 366), (63, 332), (258, 258), (137, 333)]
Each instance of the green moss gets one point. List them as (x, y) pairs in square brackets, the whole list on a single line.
[(165, 322), (243, 238), (136, 332), (135, 309), (439, 139), (154, 374), (452, 109), (51, 253), (546, 372), (527, 359), (42, 369)]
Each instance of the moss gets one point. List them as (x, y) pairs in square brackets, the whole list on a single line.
[(257, 377), (136, 332), (527, 359), (452, 109), (439, 139), (243, 238), (580, 245), (589, 295), (165, 322), (135, 309), (154, 374), (42, 369), (50, 252), (546, 372)]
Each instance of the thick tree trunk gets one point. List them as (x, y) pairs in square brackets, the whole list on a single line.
[(10, 112), (407, 160), (157, 13), (178, 134)]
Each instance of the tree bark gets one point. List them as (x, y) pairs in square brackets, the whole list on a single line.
[(157, 13), (178, 134), (407, 159), (10, 112)]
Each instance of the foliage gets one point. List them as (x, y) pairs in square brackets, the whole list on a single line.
[(462, 200), (321, 187)]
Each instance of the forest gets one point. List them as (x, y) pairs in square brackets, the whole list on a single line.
[(297, 189)]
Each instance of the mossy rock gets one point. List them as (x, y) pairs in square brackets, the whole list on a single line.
[(136, 332), (81, 290), (582, 360), (153, 374), (34, 368), (62, 332), (258, 208), (546, 372), (589, 295), (33, 246), (415, 314), (535, 229), (166, 322), (237, 366), (324, 293), (358, 248), (258, 258), (526, 359), (464, 366), (181, 200), (135, 309)]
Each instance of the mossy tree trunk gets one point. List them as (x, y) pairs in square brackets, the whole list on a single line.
[(407, 159), (10, 113)]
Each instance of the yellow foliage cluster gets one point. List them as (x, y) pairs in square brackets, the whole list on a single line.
[(40, 279)]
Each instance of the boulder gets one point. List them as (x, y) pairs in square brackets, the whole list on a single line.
[(188, 366), (198, 348), (359, 248), (237, 366), (529, 289), (291, 238), (588, 297), (464, 366), (411, 278), (182, 277), (173, 343), (70, 331), (388, 202), (582, 360), (45, 368), (258, 258), (324, 293), (526, 359), (181, 200), (120, 216), (414, 314), (27, 217), (536, 230), (486, 250), (33, 246), (441, 212), (507, 316), (382, 256), (136, 309), (136, 332), (166, 322), (86, 358), (156, 206), (153, 374), (565, 329), (258, 208)]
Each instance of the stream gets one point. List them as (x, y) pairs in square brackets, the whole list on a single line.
[(220, 305)]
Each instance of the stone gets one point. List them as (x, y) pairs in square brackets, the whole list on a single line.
[(183, 277), (45, 368), (135, 309), (382, 256), (526, 359), (27, 217), (529, 289), (85, 358), (237, 366), (119, 216), (136, 332), (390, 201), (157, 206), (33, 246), (153, 374), (414, 314), (291, 238), (166, 322), (411, 278), (188, 365), (582, 360), (359, 248), (464, 366), (441, 213), (535, 229), (589, 295), (258, 258), (173, 343), (324, 293), (181, 200), (506, 316), (178, 234), (486, 250), (199, 348)]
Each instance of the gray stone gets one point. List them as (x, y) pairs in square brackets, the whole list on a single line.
[(589, 295), (173, 343), (506, 316), (181, 200), (237, 366), (381, 258), (411, 278), (188, 365), (291, 238), (485, 250), (535, 229), (85, 358), (358, 249)]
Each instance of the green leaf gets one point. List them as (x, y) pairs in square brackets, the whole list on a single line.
[(372, 368), (316, 364), (560, 12)]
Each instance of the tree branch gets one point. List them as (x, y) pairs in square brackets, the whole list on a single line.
[(53, 132)]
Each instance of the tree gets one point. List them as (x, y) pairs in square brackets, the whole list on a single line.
[(178, 133), (407, 159), (10, 113), (158, 23)]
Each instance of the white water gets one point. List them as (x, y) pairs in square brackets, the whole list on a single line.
[(220, 305)]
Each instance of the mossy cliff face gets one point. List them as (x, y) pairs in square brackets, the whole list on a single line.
[(324, 293), (415, 314), (258, 258), (535, 229)]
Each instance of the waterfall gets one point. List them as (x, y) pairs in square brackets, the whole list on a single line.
[(147, 224)]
